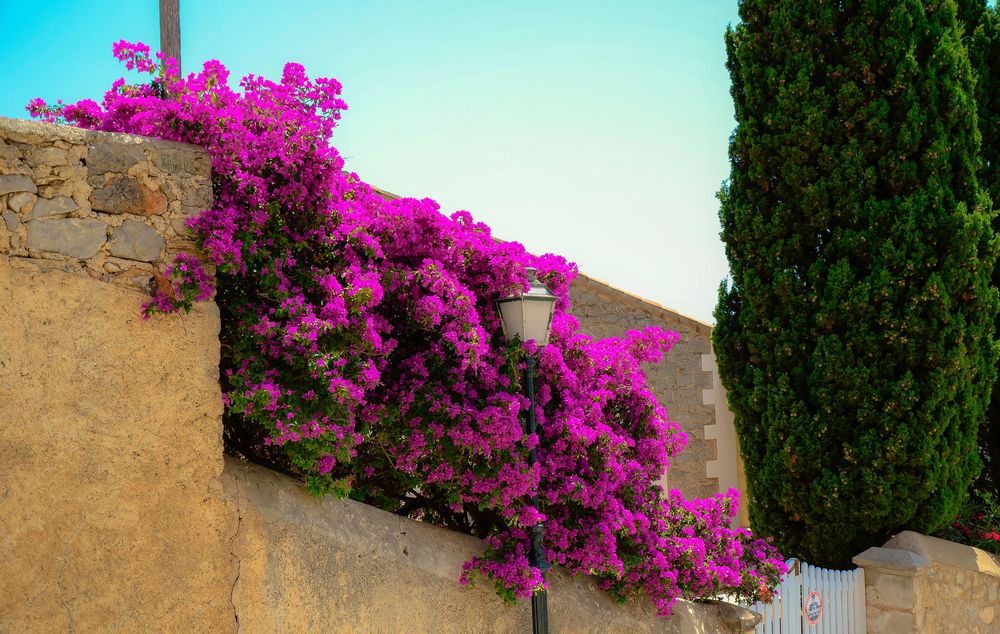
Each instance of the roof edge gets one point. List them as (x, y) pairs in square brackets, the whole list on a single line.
[(647, 303), (607, 286)]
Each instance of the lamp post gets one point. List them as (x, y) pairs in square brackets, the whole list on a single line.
[(528, 316)]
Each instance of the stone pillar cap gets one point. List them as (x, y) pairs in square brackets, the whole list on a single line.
[(900, 562)]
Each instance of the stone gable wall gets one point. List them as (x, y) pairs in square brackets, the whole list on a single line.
[(680, 382), (686, 383)]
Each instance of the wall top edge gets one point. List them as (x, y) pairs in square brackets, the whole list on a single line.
[(27, 131), (942, 551)]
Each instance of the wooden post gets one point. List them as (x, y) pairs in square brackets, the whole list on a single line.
[(170, 29)]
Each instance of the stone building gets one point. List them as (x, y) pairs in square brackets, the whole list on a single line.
[(686, 383)]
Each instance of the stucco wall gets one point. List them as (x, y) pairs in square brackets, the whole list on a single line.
[(111, 511), (679, 381), (917, 584), (116, 513), (324, 565)]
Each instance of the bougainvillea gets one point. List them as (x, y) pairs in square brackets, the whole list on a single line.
[(363, 346)]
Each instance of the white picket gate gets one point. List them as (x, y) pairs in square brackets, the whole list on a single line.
[(815, 600)]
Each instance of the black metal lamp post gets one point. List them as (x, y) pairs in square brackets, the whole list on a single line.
[(525, 317)]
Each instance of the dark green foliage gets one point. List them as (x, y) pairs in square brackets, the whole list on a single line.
[(981, 32), (856, 336), (981, 27)]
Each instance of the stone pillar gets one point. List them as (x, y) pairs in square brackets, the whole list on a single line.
[(891, 589)]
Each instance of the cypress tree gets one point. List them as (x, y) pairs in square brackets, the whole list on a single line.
[(981, 32), (980, 26), (855, 335)]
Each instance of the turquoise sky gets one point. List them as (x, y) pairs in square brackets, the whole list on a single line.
[(591, 130)]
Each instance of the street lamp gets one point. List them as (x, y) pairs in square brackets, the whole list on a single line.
[(525, 317)]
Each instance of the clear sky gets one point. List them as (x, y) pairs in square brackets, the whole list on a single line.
[(587, 129)]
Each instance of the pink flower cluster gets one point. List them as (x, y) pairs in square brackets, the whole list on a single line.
[(362, 336), (185, 283)]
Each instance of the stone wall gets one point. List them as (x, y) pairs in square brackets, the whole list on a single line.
[(112, 514), (118, 511), (110, 206), (679, 381), (917, 583)]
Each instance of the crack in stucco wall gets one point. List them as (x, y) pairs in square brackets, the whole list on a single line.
[(62, 597), (232, 552)]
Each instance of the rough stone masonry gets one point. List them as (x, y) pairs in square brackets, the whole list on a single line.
[(111, 206)]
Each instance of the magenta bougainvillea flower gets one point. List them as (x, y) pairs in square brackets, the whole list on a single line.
[(362, 340)]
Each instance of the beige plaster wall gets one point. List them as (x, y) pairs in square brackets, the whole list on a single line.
[(679, 381), (111, 511), (917, 584), (324, 565)]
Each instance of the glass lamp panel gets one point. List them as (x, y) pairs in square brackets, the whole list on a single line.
[(512, 316), (538, 319)]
